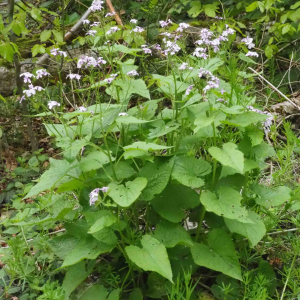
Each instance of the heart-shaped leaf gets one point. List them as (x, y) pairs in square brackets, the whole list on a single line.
[(227, 204), (229, 156), (218, 255), (152, 257), (126, 195)]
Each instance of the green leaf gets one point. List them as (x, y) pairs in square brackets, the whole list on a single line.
[(195, 9), (94, 160), (173, 201), (251, 7), (126, 195), (246, 119), (74, 276), (286, 28), (114, 295), (168, 85), (268, 197), (58, 36), (63, 244), (187, 170), (255, 134), (254, 231), (88, 248), (106, 219), (57, 174), (129, 120), (152, 257), (227, 204), (267, 270), (94, 292), (163, 129), (229, 156), (210, 10), (7, 51), (218, 255), (142, 149), (171, 234), (296, 5), (158, 175), (45, 35), (136, 294)]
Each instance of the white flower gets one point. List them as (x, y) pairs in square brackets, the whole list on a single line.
[(97, 5), (82, 109), (189, 89), (249, 42), (167, 34), (74, 76), (165, 23), (101, 61), (113, 30), (182, 26), (56, 52), (228, 31), (104, 189), (133, 73), (218, 18), (183, 66), (157, 47), (133, 21), (91, 32), (41, 72), (29, 92), (204, 72), (146, 50), (86, 21), (172, 48), (110, 14), (52, 104), (252, 54), (38, 88), (87, 61), (94, 196), (27, 77), (123, 114), (63, 53), (138, 29), (199, 51), (111, 78)]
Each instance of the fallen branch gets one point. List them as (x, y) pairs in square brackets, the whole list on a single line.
[(274, 88)]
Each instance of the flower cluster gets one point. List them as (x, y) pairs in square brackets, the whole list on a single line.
[(111, 78), (27, 77), (97, 5), (165, 23), (113, 30), (74, 76), (95, 194), (138, 29), (91, 32), (268, 122), (189, 89), (52, 104), (182, 26), (41, 73), (133, 73), (110, 14), (171, 47), (249, 43), (57, 52), (90, 61), (146, 49)]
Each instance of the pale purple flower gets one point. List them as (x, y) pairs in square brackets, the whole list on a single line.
[(183, 66), (101, 61), (56, 52), (111, 78), (133, 73), (191, 68), (157, 47), (110, 14), (218, 18), (29, 92), (63, 53), (221, 100), (138, 29), (228, 31), (82, 109), (205, 34), (189, 89), (182, 26), (250, 53), (86, 21), (122, 114), (52, 104), (199, 51), (172, 48), (104, 189), (222, 91), (97, 5), (177, 37), (146, 50), (167, 34), (268, 122), (91, 32), (87, 61), (74, 76), (204, 72), (22, 98), (249, 42), (133, 21), (27, 77), (37, 88), (41, 72), (199, 42), (113, 30), (94, 194), (95, 24)]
